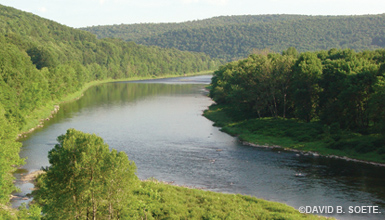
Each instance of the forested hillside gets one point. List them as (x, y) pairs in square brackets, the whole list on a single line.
[(136, 32), (42, 62), (234, 37)]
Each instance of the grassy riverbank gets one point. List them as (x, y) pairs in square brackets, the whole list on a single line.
[(164, 201), (152, 199), (292, 134)]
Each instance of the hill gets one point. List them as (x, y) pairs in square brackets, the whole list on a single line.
[(43, 62), (234, 37)]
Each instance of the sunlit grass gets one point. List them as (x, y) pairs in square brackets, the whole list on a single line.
[(163, 201)]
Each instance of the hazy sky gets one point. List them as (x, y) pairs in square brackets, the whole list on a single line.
[(82, 13)]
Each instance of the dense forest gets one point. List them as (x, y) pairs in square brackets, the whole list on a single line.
[(339, 92), (235, 37), (42, 62), (135, 32)]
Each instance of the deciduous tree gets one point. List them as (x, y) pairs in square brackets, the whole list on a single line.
[(85, 180)]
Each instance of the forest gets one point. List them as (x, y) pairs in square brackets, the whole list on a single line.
[(42, 62), (335, 97), (235, 37)]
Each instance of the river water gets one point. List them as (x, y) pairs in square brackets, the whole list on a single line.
[(159, 124)]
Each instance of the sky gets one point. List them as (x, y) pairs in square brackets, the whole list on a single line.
[(83, 13)]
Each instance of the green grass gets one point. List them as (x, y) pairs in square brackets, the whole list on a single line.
[(290, 133), (163, 201)]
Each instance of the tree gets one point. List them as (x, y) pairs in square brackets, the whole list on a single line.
[(85, 180), (42, 57), (291, 51), (377, 106), (347, 89), (9, 157), (304, 87)]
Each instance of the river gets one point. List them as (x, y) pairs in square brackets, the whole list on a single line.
[(159, 124)]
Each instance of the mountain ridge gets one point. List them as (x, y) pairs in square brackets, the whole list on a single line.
[(235, 37)]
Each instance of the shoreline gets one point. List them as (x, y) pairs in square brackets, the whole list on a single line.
[(311, 153), (222, 121), (197, 195), (49, 113), (27, 178), (41, 123)]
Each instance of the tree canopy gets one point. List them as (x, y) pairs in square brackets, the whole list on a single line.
[(342, 89), (85, 180)]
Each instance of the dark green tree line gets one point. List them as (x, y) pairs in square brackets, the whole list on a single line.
[(335, 86)]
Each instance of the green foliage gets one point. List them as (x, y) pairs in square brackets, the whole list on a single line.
[(234, 37), (85, 179), (43, 62), (41, 57), (88, 181), (291, 133), (9, 157), (7, 214), (32, 213), (377, 106), (339, 89), (258, 84), (304, 86)]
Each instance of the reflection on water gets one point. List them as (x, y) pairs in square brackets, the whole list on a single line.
[(159, 125)]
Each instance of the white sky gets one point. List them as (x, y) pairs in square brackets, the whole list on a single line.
[(82, 13)]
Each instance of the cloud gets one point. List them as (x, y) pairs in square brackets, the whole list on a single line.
[(218, 2), (211, 2), (42, 9)]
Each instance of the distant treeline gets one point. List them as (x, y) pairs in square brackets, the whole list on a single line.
[(234, 37), (42, 61)]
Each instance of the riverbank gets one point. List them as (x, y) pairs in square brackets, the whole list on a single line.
[(161, 200), (36, 118), (305, 138), (178, 202)]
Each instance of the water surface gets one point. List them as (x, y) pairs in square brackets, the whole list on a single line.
[(159, 124)]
